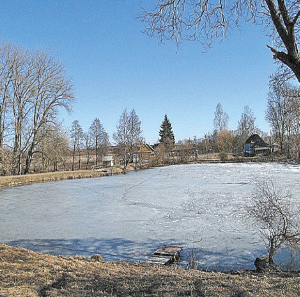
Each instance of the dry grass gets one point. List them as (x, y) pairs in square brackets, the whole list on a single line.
[(26, 273), (18, 180)]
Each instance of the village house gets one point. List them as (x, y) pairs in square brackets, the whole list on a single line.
[(254, 145), (143, 154)]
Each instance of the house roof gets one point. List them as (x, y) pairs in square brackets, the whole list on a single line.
[(146, 148), (108, 158), (256, 140)]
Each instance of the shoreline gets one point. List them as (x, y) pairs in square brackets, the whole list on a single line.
[(20, 180), (27, 273)]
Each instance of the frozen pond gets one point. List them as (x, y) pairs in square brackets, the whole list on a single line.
[(127, 217)]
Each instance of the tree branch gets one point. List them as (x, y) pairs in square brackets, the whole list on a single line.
[(296, 18)]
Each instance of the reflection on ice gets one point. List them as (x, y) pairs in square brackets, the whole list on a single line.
[(127, 217)]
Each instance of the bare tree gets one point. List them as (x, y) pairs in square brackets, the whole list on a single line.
[(19, 94), (282, 112), (32, 89), (128, 135), (87, 146), (246, 125), (51, 91), (276, 217), (76, 140), (99, 138), (53, 147), (135, 132), (121, 137), (60, 148), (5, 84), (221, 118), (295, 143), (205, 20), (276, 113)]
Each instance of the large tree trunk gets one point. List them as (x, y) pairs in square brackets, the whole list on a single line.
[(29, 159), (16, 160), (30, 154)]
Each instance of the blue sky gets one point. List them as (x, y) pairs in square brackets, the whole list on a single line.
[(114, 66)]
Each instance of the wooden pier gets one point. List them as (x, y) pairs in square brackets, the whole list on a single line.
[(165, 255)]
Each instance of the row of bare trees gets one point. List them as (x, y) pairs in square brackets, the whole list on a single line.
[(33, 87), (229, 141), (96, 140), (282, 114), (128, 138)]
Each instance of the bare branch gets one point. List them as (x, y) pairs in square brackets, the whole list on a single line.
[(205, 20), (272, 210)]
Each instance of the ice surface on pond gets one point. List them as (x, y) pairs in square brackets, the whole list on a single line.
[(127, 217)]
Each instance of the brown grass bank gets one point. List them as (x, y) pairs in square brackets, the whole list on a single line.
[(26, 273), (18, 180)]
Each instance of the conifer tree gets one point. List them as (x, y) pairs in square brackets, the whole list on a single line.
[(166, 133)]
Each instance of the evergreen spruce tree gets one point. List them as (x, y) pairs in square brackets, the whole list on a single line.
[(166, 133)]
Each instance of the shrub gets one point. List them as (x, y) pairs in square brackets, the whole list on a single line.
[(223, 156)]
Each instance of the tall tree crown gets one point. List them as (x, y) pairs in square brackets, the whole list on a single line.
[(128, 135), (246, 125), (76, 133), (166, 132), (99, 138), (221, 119)]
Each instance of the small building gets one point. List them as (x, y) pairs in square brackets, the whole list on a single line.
[(143, 154), (254, 145), (108, 161)]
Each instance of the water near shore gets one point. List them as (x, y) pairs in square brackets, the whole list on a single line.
[(127, 217)]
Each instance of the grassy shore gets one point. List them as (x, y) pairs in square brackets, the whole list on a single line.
[(26, 273), (18, 180)]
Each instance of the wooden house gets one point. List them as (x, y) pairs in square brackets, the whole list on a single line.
[(143, 154), (255, 145)]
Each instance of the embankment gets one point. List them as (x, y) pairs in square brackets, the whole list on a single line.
[(18, 180), (26, 273)]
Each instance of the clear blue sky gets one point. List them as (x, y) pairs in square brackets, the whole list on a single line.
[(114, 66)]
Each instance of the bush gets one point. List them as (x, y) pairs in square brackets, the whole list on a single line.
[(223, 156)]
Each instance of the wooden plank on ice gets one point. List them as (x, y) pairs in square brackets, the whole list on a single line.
[(165, 255), (169, 250), (159, 260)]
